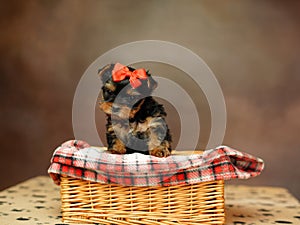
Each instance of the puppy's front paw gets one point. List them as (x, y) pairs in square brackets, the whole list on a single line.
[(160, 151), (118, 147)]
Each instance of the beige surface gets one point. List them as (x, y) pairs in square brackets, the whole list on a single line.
[(37, 201), (260, 205)]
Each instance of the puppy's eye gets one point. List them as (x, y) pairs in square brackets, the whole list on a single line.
[(109, 91)]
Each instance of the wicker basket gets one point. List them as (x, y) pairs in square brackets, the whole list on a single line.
[(91, 202)]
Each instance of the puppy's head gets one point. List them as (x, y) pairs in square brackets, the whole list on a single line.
[(129, 97)]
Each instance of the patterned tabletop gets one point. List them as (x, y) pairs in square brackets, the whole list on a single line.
[(37, 201)]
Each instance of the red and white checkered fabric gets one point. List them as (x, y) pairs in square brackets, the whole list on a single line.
[(78, 159)]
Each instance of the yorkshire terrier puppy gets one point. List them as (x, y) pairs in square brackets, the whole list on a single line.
[(135, 121)]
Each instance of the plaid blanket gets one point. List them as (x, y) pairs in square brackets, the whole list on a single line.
[(78, 159)]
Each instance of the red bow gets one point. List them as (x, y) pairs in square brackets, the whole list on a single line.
[(120, 72)]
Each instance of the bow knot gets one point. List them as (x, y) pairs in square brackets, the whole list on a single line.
[(120, 72)]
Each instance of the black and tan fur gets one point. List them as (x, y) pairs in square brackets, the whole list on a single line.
[(141, 127)]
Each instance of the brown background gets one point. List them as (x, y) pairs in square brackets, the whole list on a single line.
[(251, 46)]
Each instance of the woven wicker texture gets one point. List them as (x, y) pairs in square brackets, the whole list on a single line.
[(90, 202)]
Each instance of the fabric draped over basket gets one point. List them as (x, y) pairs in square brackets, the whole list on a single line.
[(79, 160)]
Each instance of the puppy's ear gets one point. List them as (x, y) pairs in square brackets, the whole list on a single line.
[(152, 84), (105, 72)]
